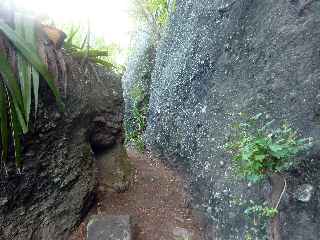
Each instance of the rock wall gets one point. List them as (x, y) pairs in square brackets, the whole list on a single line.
[(57, 186), (138, 74), (219, 58)]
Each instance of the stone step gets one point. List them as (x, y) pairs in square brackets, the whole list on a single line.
[(109, 227)]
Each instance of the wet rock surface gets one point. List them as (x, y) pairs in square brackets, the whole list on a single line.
[(57, 185), (219, 58)]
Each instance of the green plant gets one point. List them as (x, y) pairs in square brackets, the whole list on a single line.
[(15, 93), (137, 125), (154, 13), (83, 46), (259, 150), (159, 9), (261, 211), (183, 238), (260, 215), (248, 236)]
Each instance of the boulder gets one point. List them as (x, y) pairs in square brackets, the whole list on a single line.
[(57, 185), (181, 233), (115, 169), (220, 58), (109, 228)]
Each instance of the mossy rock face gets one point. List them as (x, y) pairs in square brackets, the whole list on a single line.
[(115, 169)]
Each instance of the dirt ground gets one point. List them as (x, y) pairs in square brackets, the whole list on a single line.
[(155, 200)]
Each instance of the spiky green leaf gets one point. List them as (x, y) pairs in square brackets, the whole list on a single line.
[(12, 84), (16, 133), (4, 123), (30, 53)]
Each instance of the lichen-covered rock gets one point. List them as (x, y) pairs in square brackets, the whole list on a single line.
[(58, 181), (219, 58)]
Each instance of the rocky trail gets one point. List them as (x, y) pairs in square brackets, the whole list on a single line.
[(155, 200)]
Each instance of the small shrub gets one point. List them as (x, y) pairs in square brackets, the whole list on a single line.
[(260, 151)]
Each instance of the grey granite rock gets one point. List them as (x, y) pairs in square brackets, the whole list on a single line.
[(304, 192), (219, 58), (182, 234), (107, 227)]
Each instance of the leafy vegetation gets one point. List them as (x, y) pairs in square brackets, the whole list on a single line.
[(261, 211), (159, 9), (260, 151), (16, 93), (154, 13), (137, 124), (83, 45), (260, 215)]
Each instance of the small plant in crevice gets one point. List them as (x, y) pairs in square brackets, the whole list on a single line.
[(261, 211), (261, 151), (136, 125), (260, 215)]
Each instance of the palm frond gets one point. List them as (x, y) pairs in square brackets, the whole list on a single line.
[(16, 93), (4, 123), (12, 84), (16, 133), (30, 53), (24, 70), (30, 37)]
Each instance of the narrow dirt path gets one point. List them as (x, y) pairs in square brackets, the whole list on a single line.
[(155, 200)]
